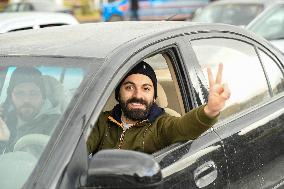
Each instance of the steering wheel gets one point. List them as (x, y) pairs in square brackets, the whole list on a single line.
[(32, 143)]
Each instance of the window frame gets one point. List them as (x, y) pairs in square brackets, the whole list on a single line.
[(277, 63), (174, 48)]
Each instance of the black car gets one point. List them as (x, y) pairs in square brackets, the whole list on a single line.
[(83, 64)]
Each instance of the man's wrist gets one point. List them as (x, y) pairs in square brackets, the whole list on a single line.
[(210, 113)]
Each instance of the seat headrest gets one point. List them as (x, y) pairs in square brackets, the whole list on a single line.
[(55, 92), (111, 102), (161, 100)]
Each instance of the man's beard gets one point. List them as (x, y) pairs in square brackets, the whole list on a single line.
[(136, 114), (27, 112)]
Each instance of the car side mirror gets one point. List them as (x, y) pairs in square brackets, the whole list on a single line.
[(122, 169)]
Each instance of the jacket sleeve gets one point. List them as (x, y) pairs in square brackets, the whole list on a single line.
[(96, 135), (188, 127), (92, 141)]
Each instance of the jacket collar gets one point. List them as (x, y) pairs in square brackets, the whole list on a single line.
[(154, 113)]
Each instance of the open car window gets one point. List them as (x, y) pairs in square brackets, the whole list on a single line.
[(169, 96)]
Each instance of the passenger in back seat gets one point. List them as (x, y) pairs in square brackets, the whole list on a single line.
[(26, 109), (137, 123)]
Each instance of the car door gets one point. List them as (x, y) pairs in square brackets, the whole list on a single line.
[(191, 164), (194, 164), (251, 124)]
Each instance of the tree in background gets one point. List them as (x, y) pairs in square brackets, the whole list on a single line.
[(3, 3)]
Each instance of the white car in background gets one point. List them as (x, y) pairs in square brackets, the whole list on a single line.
[(36, 5), (10, 22), (270, 25), (234, 12)]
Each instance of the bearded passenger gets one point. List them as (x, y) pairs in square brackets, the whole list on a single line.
[(137, 123), (26, 109)]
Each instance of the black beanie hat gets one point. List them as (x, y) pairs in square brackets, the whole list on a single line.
[(141, 68), (26, 75)]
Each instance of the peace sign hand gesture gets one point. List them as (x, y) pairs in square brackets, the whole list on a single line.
[(218, 93)]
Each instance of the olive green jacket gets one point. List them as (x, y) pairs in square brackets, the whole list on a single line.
[(149, 135)]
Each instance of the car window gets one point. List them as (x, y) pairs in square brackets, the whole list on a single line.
[(242, 71), (19, 29), (35, 92), (51, 25), (274, 73), (236, 14), (167, 85), (168, 97), (272, 19), (12, 7), (26, 7)]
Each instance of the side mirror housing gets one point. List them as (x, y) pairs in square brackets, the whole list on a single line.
[(122, 169)]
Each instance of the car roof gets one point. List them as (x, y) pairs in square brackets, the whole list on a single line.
[(92, 39), (14, 20)]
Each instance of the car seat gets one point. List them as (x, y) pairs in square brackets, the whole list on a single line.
[(55, 92), (162, 101)]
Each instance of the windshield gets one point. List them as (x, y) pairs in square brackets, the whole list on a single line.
[(235, 14), (35, 92), (270, 24)]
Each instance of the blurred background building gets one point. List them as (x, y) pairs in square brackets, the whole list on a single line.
[(95, 10)]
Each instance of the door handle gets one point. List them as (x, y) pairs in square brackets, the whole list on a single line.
[(205, 174)]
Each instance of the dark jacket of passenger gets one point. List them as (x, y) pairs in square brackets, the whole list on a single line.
[(43, 123)]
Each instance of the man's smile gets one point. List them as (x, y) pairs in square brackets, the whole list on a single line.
[(136, 105)]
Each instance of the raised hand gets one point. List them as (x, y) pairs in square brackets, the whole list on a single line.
[(4, 131), (218, 93)]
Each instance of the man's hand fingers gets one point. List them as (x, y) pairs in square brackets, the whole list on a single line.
[(217, 89), (219, 74), (226, 93), (210, 78)]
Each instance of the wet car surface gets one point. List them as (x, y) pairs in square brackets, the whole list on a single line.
[(243, 150)]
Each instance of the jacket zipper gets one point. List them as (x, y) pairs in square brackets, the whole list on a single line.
[(122, 135), (121, 139)]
